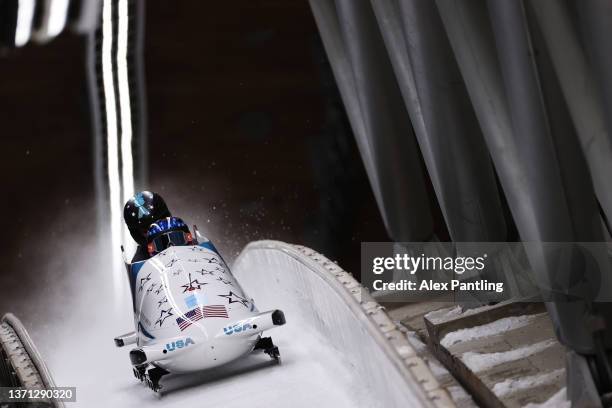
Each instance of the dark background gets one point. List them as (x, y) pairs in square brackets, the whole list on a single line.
[(246, 137)]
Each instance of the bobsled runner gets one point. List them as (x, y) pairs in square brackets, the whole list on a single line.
[(191, 314)]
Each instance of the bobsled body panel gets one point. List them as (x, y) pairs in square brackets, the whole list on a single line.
[(208, 354), (190, 312)]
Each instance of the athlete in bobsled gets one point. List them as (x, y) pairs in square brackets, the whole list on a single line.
[(190, 313)]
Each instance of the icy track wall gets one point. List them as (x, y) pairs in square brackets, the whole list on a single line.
[(318, 296)]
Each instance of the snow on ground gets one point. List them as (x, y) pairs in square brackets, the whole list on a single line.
[(437, 369), (440, 315), (458, 394), (440, 373), (512, 385), (484, 361), (415, 342), (559, 400), (449, 313), (486, 330)]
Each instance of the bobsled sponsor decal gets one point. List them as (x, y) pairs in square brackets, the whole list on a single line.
[(237, 328), (179, 344)]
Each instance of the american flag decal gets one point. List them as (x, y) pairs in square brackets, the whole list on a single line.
[(199, 313), (190, 317), (215, 311)]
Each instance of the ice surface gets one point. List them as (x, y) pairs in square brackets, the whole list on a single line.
[(305, 379), (73, 326), (484, 361), (486, 330), (277, 275)]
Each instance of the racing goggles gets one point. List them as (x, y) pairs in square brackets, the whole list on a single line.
[(173, 238)]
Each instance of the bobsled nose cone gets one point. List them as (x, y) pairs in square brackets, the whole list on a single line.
[(278, 318)]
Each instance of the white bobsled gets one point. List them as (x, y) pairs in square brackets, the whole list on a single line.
[(191, 314)]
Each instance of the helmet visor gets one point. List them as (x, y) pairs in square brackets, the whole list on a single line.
[(176, 238)]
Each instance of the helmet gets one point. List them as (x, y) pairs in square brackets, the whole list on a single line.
[(141, 211), (167, 232)]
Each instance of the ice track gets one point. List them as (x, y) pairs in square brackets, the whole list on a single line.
[(333, 353)]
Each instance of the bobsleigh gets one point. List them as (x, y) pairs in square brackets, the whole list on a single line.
[(191, 314)]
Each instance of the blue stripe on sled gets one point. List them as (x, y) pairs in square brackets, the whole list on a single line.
[(146, 333), (209, 245)]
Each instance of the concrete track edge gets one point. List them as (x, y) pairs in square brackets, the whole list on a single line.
[(32, 360)]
